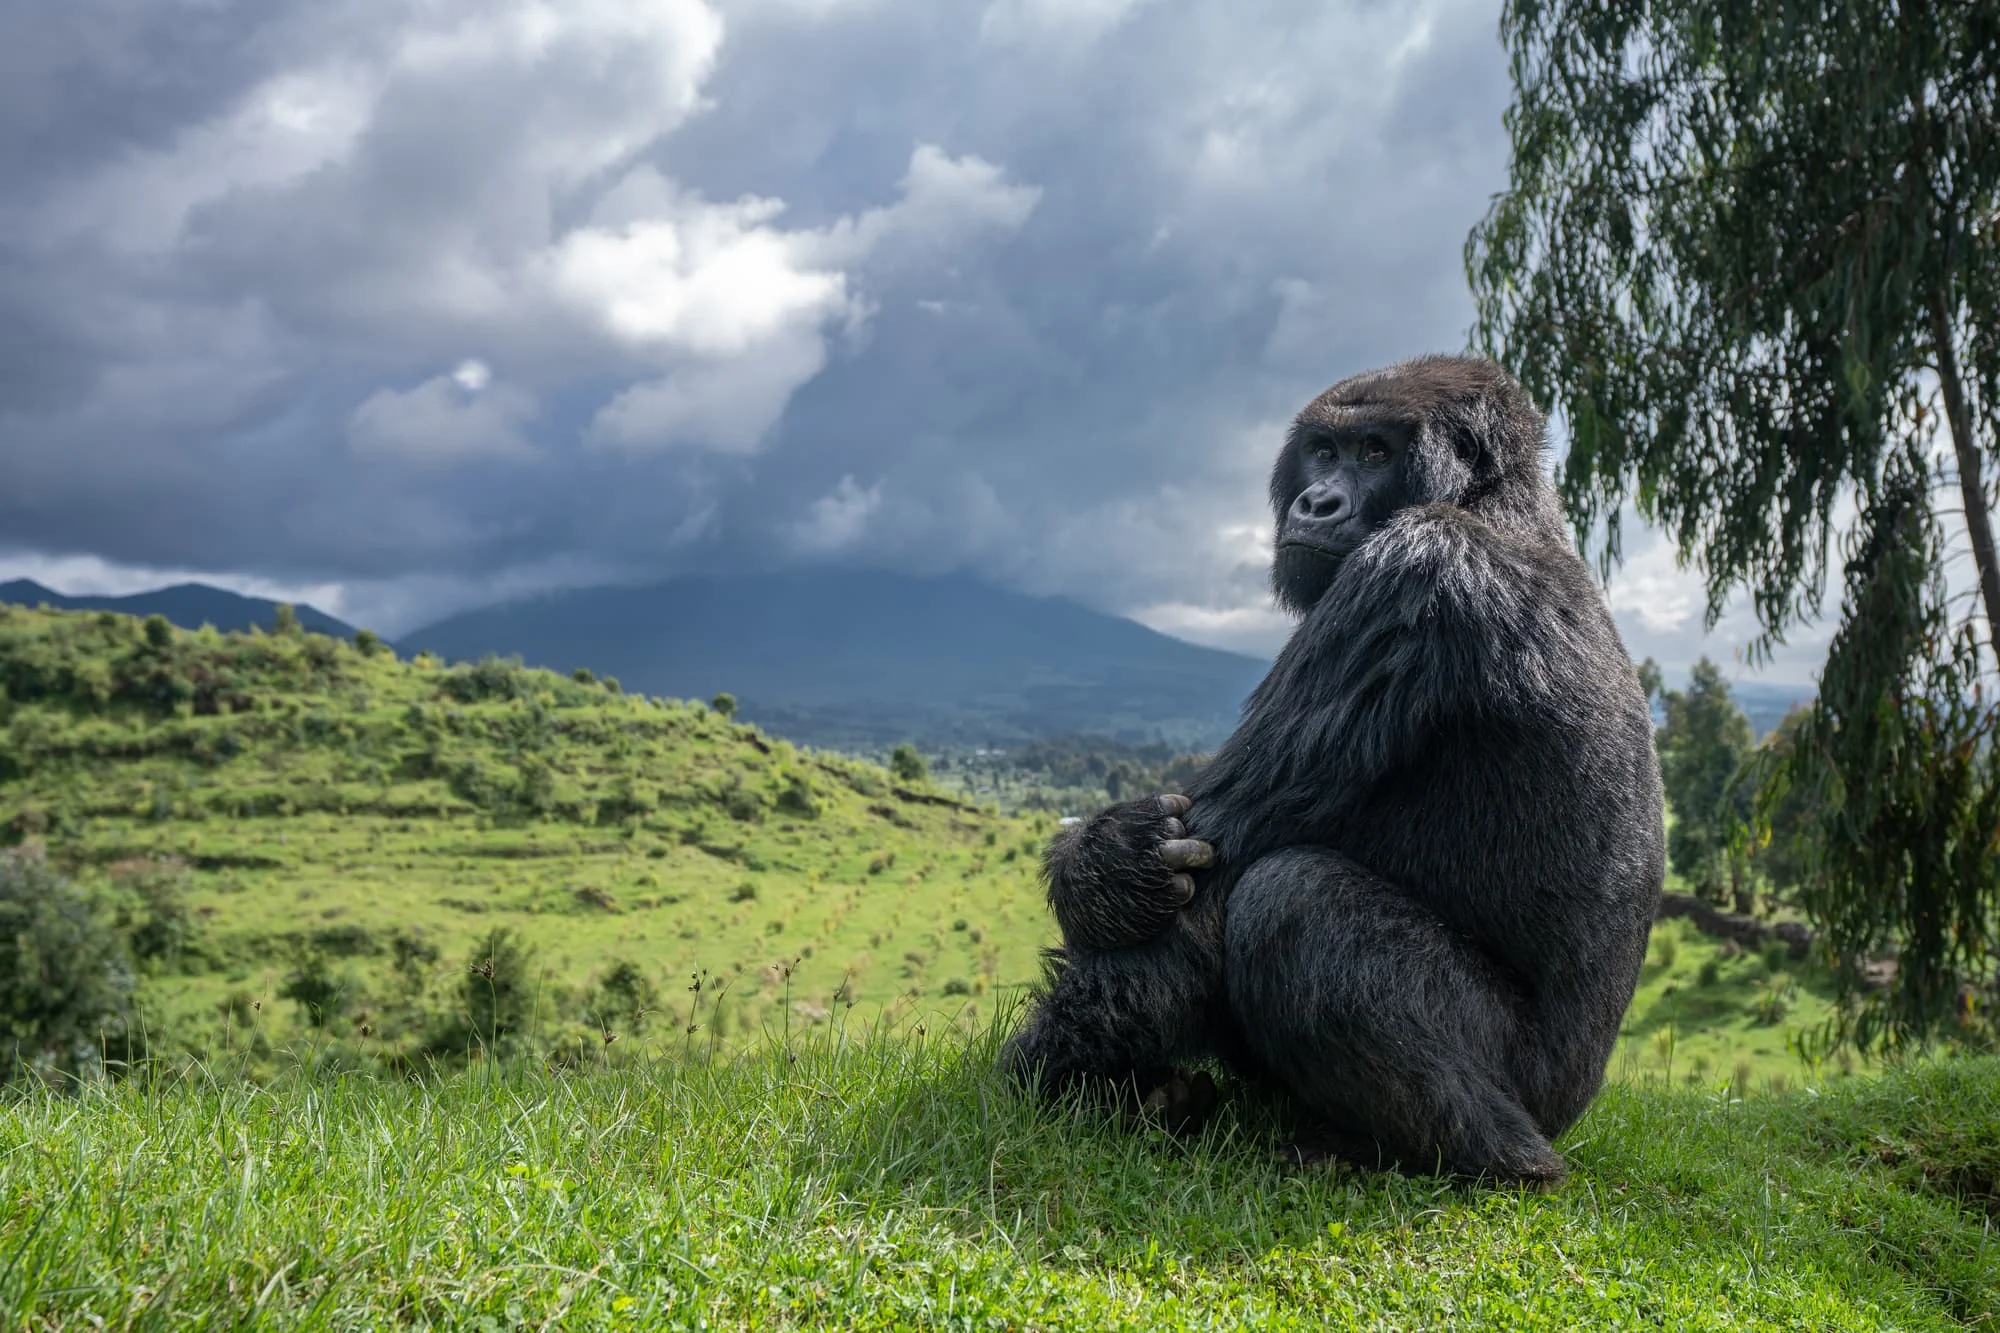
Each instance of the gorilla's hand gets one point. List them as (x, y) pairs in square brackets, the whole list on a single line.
[(1119, 879)]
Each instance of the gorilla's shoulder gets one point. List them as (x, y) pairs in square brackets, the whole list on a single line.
[(1443, 560)]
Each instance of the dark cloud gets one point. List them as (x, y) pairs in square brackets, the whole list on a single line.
[(429, 303)]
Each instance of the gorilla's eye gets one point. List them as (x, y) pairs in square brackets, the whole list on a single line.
[(1374, 449), (1324, 453)]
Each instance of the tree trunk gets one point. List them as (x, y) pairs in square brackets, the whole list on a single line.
[(1971, 469), (1740, 893)]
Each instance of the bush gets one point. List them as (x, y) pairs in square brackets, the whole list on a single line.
[(154, 915), (498, 994), (907, 764), (321, 994), (65, 983), (489, 679), (797, 798), (624, 1000), (724, 703)]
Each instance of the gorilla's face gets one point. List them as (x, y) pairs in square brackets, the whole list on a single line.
[(1337, 482)]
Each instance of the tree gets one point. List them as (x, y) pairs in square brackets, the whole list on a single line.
[(284, 619), (907, 764), (65, 984), (1704, 742), (1748, 253), (1780, 846), (724, 703)]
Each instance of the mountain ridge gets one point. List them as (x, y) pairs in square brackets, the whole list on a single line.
[(188, 605)]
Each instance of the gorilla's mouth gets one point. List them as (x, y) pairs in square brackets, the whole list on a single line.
[(1317, 548)]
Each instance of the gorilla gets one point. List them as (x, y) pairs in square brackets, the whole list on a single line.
[(1411, 892)]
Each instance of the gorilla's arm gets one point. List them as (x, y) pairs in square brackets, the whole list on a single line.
[(1119, 879)]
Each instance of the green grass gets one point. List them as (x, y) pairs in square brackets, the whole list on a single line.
[(1708, 1015), (891, 1183)]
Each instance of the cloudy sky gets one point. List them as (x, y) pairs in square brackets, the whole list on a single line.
[(399, 306)]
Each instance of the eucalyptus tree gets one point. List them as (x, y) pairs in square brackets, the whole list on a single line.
[(1750, 253)]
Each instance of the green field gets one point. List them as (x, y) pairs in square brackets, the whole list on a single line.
[(892, 1184), (323, 812)]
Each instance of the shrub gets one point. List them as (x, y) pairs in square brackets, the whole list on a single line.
[(65, 984), (498, 994), (797, 798), (154, 915), (321, 994), (490, 678), (624, 999), (159, 633), (907, 764), (724, 703)]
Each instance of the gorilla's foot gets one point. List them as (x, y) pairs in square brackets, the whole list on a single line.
[(1539, 1171), (1181, 1104)]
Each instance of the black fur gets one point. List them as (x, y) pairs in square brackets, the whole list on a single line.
[(1437, 831)]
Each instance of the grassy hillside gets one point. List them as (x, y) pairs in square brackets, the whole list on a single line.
[(892, 1185), (369, 822), (291, 826)]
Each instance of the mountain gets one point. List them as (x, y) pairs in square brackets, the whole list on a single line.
[(1766, 704), (840, 657), (188, 605)]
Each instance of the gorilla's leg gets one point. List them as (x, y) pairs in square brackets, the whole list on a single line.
[(1386, 1027), (1118, 1022)]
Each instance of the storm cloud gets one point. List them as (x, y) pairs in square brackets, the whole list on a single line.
[(419, 305)]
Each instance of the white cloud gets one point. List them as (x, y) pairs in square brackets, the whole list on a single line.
[(447, 419), (704, 278), (719, 405), (1652, 587), (1053, 24), (836, 521), (945, 201)]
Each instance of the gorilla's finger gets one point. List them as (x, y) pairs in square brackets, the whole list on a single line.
[(1183, 886), (1174, 804), (1187, 853), (1172, 828)]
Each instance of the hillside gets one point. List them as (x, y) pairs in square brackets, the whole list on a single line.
[(189, 605), (364, 824), (863, 660), (893, 1184)]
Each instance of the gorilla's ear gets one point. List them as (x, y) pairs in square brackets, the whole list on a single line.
[(1490, 433)]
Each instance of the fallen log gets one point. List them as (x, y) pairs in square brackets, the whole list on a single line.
[(1747, 931)]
